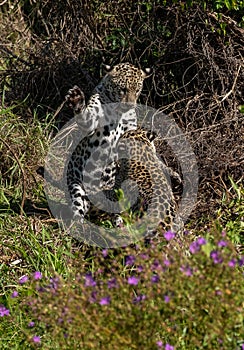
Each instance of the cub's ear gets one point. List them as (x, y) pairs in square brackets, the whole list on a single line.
[(147, 72), (107, 67)]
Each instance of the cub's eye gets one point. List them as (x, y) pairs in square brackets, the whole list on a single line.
[(123, 91)]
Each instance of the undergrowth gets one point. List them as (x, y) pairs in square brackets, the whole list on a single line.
[(187, 295), (57, 294)]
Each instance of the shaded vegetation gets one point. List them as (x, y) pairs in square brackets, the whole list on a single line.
[(196, 54)]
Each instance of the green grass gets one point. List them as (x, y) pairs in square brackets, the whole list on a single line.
[(205, 304), (231, 213), (205, 307)]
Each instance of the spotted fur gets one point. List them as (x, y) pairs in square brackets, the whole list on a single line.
[(93, 164), (149, 189)]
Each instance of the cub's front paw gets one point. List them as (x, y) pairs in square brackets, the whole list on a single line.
[(76, 99)]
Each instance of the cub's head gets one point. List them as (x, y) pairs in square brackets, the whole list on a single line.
[(123, 82)]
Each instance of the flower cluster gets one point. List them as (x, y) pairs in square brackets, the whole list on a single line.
[(3, 311), (150, 286), (196, 245), (166, 347)]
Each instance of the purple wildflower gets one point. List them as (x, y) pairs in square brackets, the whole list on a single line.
[(104, 253), (166, 299), (89, 281), (23, 279), (242, 346), (156, 265), (194, 247), (222, 243), (93, 297), (159, 344), (201, 241), (241, 263), (140, 268), (218, 292), (216, 257), (112, 283), (133, 280), (169, 235), (169, 347), (166, 262), (130, 260), (155, 279), (139, 298), (186, 270), (232, 263), (31, 324), (14, 294), (36, 339), (3, 311), (105, 301), (37, 275), (144, 256)]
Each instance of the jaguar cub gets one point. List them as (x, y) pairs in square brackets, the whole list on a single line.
[(149, 187), (109, 113)]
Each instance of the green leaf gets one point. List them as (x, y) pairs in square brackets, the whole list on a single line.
[(207, 248)]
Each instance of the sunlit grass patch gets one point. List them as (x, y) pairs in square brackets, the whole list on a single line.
[(23, 146), (188, 296)]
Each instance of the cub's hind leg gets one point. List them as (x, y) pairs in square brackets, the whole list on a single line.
[(80, 203)]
